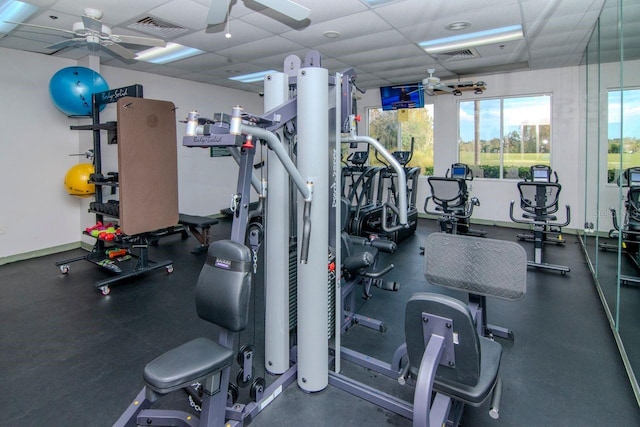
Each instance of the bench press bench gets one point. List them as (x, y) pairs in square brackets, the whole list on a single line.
[(199, 227)]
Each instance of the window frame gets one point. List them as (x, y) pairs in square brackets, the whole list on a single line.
[(503, 135)]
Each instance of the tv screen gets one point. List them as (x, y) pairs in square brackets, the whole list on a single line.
[(402, 96)]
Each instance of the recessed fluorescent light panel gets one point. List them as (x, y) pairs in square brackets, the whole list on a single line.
[(170, 53), (376, 3), (16, 11), (253, 77), (480, 38)]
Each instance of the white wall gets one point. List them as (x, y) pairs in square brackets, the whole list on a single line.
[(35, 144), (36, 213), (495, 195)]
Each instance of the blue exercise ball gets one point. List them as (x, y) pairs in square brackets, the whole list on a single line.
[(71, 89)]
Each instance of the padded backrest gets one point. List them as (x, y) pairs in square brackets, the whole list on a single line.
[(539, 198), (223, 289), (448, 193), (466, 369), (495, 268)]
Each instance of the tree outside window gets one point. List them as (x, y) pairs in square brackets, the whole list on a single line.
[(623, 108), (504, 137), (395, 134)]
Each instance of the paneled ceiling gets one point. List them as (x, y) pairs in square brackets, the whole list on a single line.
[(380, 43)]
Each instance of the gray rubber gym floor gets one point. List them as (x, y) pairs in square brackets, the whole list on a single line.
[(72, 357)]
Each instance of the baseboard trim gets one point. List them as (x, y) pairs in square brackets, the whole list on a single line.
[(42, 252)]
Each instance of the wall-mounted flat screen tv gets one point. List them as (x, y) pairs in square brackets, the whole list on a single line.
[(402, 96)]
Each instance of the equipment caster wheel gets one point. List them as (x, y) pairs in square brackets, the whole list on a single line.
[(169, 269), (257, 388), (105, 290), (64, 269)]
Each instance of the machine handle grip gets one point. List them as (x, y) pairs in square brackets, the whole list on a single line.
[(385, 210), (388, 246), (306, 232), (379, 273)]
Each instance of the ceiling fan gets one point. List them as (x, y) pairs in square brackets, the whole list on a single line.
[(220, 8), (95, 35), (432, 83)]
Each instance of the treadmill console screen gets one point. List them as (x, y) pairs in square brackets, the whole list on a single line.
[(635, 178)]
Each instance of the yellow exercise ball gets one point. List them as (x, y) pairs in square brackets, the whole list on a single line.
[(76, 181)]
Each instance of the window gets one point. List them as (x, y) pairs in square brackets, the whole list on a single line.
[(394, 129), (629, 143), (504, 137)]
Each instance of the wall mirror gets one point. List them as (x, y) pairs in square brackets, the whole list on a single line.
[(610, 236)]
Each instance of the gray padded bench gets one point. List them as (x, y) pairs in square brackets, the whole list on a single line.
[(198, 226), (479, 266)]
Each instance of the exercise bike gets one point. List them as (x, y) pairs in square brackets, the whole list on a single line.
[(453, 204), (630, 229), (539, 202)]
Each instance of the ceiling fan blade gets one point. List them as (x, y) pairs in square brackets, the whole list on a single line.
[(91, 24), (119, 50), (66, 43), (288, 8), (444, 88), (143, 41), (41, 26), (218, 11)]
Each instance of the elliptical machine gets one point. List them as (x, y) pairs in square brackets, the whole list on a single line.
[(358, 187), (453, 204), (370, 222)]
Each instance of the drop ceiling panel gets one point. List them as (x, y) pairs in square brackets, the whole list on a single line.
[(386, 54), (269, 46), (414, 12), (241, 33), (533, 10), (407, 62), (187, 14), (348, 46), (356, 25), (115, 11)]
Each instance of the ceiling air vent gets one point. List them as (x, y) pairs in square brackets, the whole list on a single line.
[(157, 27), (455, 55)]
